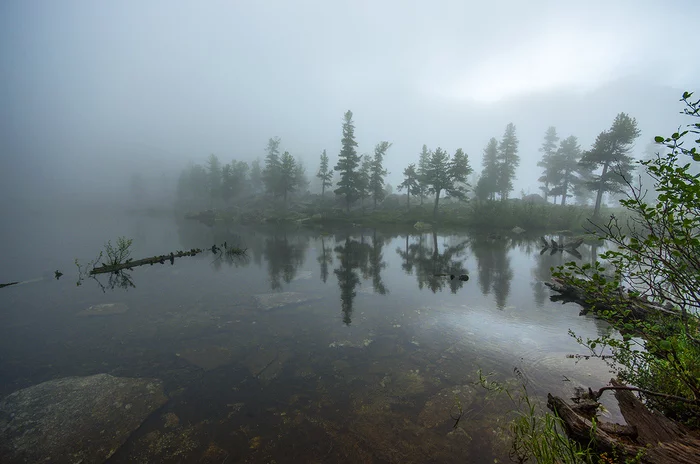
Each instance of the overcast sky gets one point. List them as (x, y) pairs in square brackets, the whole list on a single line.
[(90, 91)]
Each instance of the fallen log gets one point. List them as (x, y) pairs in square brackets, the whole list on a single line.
[(8, 284), (129, 264), (650, 435), (593, 301)]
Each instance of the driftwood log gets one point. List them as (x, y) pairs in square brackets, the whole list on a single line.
[(656, 438), (106, 268), (640, 308)]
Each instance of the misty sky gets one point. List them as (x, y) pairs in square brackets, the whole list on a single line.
[(92, 91)]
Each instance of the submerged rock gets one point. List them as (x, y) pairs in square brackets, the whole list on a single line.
[(104, 309), (268, 301), (75, 419)]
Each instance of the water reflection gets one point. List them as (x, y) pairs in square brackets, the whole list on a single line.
[(325, 258), (429, 262), (284, 257), (350, 260), (493, 266)]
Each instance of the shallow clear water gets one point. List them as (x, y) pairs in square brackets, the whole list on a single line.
[(363, 367)]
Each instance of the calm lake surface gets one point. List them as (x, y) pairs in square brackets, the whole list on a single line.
[(364, 365)]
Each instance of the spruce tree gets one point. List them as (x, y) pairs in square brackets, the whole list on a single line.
[(448, 175), (271, 173), (548, 150), (487, 187), (410, 183), (377, 172), (288, 179), (508, 161), (348, 163), (423, 161), (564, 168), (610, 151), (324, 173)]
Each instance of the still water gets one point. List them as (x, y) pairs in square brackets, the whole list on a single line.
[(320, 345)]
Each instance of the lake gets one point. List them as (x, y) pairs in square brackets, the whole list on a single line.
[(319, 345)]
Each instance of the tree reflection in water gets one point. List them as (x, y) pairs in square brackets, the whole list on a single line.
[(426, 258)]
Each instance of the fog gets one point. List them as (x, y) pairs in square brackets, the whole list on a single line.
[(92, 92)]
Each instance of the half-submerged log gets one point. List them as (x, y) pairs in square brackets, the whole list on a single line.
[(652, 436), (640, 308), (129, 264)]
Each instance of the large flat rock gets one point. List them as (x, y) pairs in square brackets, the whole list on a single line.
[(269, 301), (75, 419)]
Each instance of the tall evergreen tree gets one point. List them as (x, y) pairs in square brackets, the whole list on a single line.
[(487, 187), (348, 162), (410, 183), (377, 172), (271, 173), (288, 180), (364, 176), (548, 150), (423, 162), (445, 174), (324, 174), (508, 161), (564, 168), (610, 151), (459, 171)]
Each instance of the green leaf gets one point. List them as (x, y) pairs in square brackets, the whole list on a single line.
[(665, 345), (658, 139)]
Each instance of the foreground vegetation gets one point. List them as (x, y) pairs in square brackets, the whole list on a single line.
[(656, 256)]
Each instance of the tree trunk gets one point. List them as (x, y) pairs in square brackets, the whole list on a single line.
[(566, 188), (408, 201), (437, 199), (599, 196)]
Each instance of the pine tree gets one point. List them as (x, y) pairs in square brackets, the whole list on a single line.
[(324, 173), (348, 162), (423, 161), (377, 172), (410, 183), (271, 173), (487, 187), (548, 150), (445, 174), (288, 179), (564, 168), (363, 178), (610, 151), (508, 161), (458, 172)]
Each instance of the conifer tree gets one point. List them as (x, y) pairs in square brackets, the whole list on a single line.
[(324, 173), (610, 153), (271, 173), (549, 151), (377, 172), (348, 163), (410, 183), (508, 161)]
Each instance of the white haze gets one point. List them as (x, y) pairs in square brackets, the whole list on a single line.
[(94, 91)]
